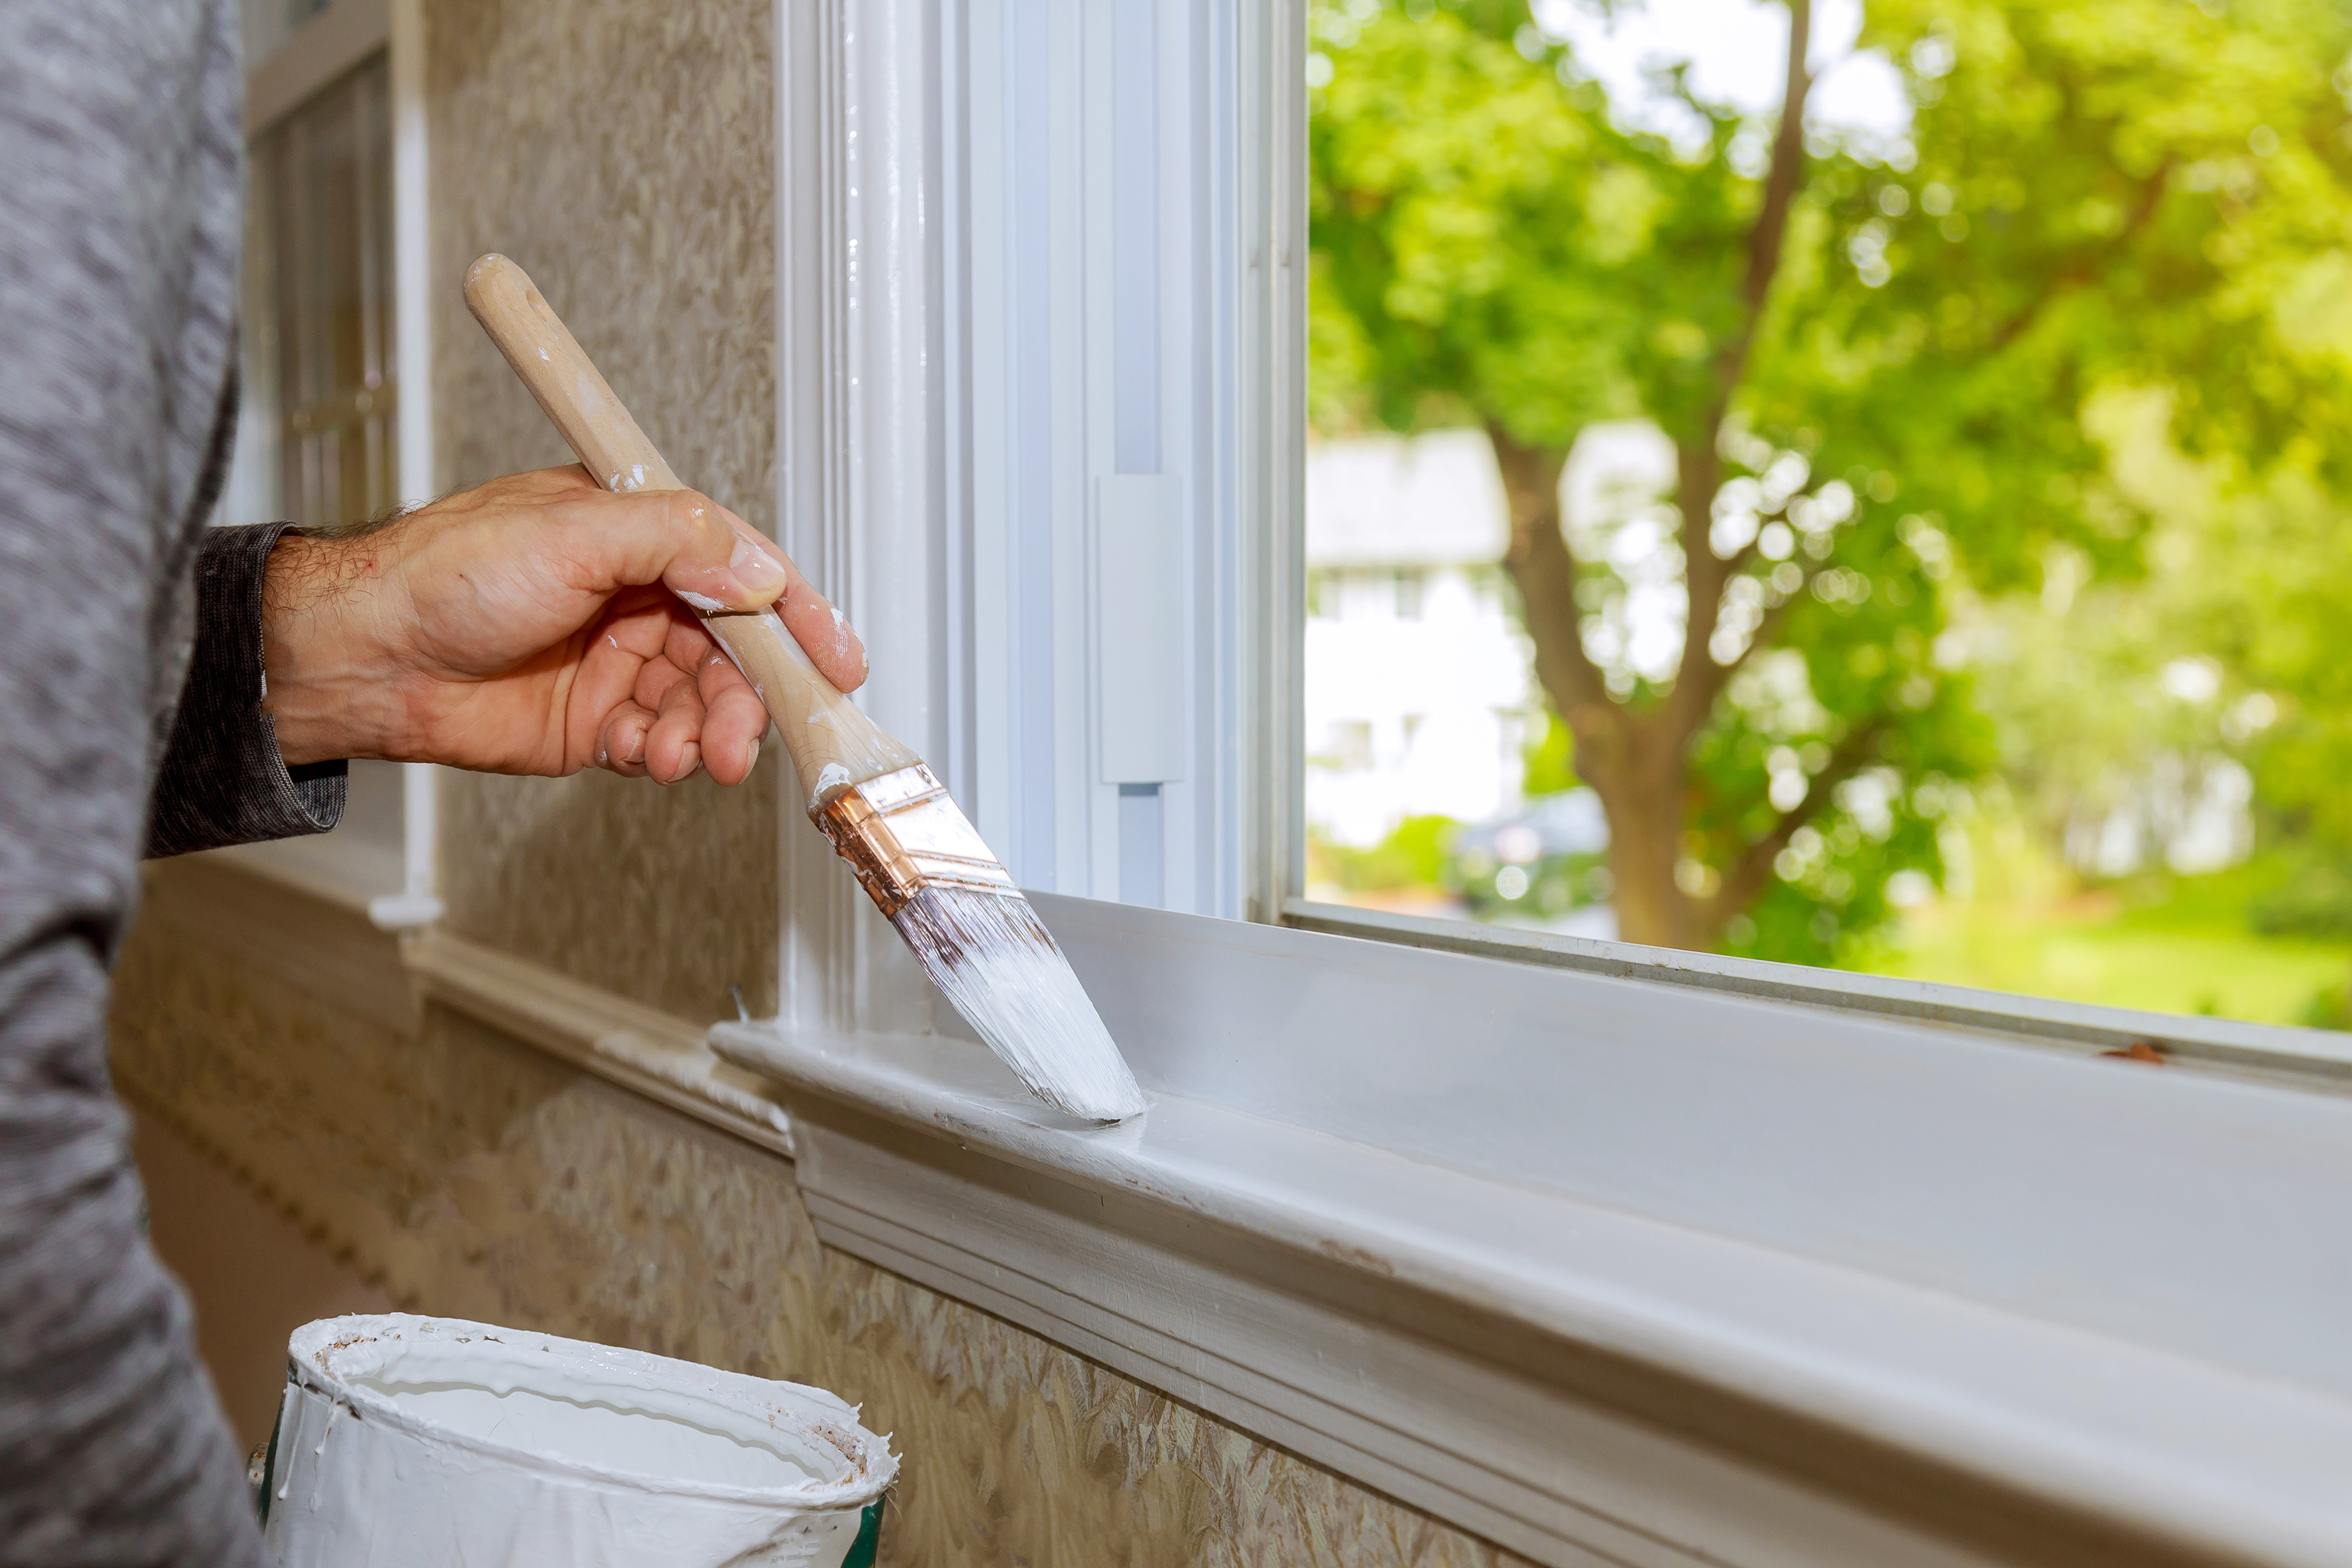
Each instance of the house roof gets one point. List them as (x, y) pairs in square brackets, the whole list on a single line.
[(1436, 500)]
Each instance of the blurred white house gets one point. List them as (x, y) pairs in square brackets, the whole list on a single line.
[(1418, 695), (1421, 696)]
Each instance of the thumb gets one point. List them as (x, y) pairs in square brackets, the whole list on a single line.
[(680, 539)]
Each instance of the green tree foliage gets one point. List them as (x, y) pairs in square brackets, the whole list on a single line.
[(1875, 365)]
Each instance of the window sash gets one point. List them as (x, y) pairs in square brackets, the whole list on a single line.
[(894, 456)]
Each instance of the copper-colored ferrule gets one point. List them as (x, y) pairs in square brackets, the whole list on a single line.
[(863, 839)]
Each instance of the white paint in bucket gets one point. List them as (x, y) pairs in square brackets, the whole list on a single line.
[(436, 1443)]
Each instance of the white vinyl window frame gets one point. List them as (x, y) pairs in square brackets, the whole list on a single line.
[(285, 68), (1607, 1254)]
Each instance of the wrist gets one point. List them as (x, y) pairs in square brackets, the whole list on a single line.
[(326, 689)]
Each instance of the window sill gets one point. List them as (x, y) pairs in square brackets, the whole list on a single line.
[(1611, 1270), (2308, 1058), (1720, 1280)]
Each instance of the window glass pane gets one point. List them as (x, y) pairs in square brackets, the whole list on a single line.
[(326, 169), (1893, 517)]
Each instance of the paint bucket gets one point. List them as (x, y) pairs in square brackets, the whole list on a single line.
[(432, 1442)]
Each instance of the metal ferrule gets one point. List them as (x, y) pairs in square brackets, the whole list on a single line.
[(900, 833)]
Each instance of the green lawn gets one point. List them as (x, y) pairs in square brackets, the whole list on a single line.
[(2178, 945)]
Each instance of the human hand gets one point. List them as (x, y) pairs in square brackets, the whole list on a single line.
[(532, 625)]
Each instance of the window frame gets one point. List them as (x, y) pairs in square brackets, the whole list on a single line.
[(884, 459), (286, 70), (916, 1153)]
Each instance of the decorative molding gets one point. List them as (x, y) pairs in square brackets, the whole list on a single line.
[(1762, 1286), (319, 940), (289, 920), (660, 1056)]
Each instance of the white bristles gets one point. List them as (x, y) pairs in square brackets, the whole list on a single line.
[(996, 961)]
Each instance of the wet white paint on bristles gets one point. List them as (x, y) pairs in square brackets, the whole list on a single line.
[(997, 964)]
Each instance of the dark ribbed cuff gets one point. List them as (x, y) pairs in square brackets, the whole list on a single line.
[(223, 781)]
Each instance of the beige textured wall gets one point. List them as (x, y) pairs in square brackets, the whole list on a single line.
[(620, 149), (471, 1176)]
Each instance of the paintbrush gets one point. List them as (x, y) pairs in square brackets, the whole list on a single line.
[(915, 854)]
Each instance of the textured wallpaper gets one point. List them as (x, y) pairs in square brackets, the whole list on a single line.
[(620, 151), (474, 1176)]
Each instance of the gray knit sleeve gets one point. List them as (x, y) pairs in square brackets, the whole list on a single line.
[(120, 129), (222, 781)]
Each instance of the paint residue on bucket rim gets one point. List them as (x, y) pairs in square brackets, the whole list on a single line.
[(439, 1379)]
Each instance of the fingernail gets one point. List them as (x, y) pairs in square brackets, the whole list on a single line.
[(687, 761), (635, 750), (754, 762), (755, 568)]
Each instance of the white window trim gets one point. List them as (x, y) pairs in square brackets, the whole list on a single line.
[(2308, 1059), (309, 59), (2045, 1348), (1971, 1301)]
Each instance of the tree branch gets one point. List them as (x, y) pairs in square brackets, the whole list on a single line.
[(1743, 881), (1698, 475), (1780, 186), (1697, 685), (2086, 269), (1540, 562), (1700, 468)]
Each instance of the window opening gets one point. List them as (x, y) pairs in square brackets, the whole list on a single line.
[(1850, 516), (327, 172)]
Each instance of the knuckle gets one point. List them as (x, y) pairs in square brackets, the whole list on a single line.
[(694, 517)]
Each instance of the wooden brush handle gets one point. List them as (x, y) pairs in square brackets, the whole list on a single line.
[(833, 744)]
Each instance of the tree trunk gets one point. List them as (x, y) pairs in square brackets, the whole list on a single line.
[(1633, 761), (1645, 845)]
